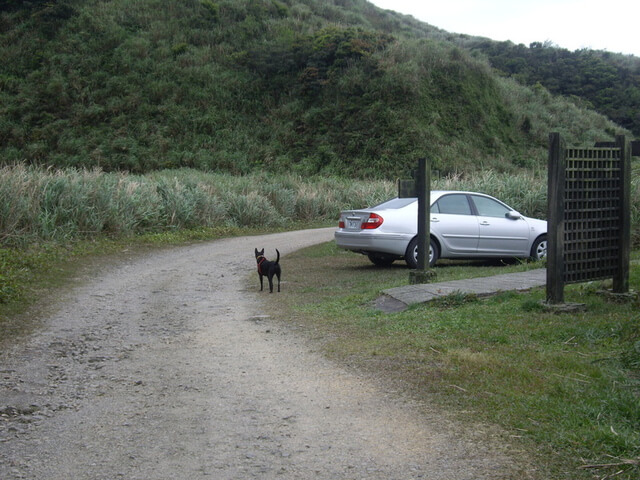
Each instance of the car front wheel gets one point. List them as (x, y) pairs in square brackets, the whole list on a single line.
[(411, 257), (539, 248)]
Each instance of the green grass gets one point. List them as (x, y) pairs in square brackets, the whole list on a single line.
[(564, 386)]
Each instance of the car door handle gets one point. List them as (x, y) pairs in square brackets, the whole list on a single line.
[(435, 220), (485, 223)]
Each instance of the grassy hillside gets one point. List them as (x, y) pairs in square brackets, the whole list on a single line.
[(609, 82), (307, 86)]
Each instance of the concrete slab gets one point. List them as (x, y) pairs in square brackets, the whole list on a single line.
[(421, 293)]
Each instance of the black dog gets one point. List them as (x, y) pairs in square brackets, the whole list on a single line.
[(265, 267)]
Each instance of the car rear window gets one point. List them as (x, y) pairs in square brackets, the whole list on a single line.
[(394, 203)]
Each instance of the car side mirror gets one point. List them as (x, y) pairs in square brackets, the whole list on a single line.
[(513, 215)]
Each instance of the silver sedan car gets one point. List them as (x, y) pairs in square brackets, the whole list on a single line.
[(462, 225)]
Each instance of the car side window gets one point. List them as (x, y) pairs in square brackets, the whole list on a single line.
[(488, 207), (454, 205)]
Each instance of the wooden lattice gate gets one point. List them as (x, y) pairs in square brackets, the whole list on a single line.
[(589, 227)]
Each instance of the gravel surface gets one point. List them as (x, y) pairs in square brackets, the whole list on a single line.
[(165, 366)]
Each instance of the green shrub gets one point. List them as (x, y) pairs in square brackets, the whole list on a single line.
[(212, 9)]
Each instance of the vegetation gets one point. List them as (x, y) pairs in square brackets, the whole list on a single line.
[(564, 387), (306, 86), (155, 121), (47, 215), (39, 206), (607, 82)]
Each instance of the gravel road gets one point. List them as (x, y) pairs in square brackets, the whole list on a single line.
[(166, 366)]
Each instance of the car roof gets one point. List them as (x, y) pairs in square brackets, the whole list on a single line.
[(434, 196), (439, 193)]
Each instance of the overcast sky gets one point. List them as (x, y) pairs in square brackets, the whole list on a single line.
[(572, 24)]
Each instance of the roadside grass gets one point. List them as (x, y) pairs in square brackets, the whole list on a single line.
[(565, 387)]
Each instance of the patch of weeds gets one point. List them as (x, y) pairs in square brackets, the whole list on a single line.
[(19, 267), (532, 305), (630, 341), (454, 299)]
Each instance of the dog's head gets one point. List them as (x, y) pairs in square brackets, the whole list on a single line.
[(259, 253)]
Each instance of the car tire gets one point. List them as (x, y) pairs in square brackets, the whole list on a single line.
[(381, 259), (411, 256), (539, 248)]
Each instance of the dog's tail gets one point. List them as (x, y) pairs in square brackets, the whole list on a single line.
[(277, 259)]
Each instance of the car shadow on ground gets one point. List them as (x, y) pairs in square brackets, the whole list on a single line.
[(442, 264)]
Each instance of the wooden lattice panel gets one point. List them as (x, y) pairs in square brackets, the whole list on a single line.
[(592, 213)]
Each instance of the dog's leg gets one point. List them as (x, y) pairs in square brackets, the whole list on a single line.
[(261, 286), (278, 275), (270, 277)]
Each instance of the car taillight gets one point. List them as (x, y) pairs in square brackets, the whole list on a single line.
[(341, 223), (374, 221)]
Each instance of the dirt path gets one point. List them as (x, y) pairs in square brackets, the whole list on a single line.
[(161, 367)]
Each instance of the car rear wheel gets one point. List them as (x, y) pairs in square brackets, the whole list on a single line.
[(381, 259), (411, 257), (539, 248)]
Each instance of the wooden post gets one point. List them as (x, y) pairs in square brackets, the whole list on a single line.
[(423, 186), (422, 182), (621, 278), (555, 220)]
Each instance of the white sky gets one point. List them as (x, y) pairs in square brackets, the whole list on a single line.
[(571, 24)]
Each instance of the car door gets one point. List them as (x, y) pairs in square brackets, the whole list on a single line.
[(453, 222), (499, 234)]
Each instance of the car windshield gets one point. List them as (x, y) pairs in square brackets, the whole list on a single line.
[(394, 203)]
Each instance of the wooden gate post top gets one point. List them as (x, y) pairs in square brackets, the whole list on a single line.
[(407, 189)]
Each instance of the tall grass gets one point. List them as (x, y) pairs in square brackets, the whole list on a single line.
[(61, 205), (40, 205), (526, 191)]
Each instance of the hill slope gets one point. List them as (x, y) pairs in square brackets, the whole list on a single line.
[(607, 81), (308, 86)]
